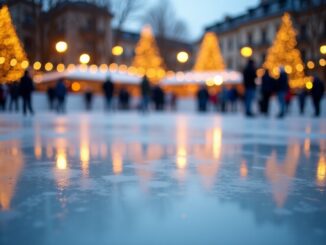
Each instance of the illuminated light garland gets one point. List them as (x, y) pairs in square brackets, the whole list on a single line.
[(209, 57), (12, 53), (283, 53)]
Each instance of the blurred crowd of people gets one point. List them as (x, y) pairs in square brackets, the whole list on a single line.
[(225, 99)]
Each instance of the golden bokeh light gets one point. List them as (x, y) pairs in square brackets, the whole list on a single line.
[(24, 64), (84, 59), (61, 47), (117, 50), (60, 67), (310, 65), (323, 49), (75, 86), (309, 85), (322, 62), (48, 66), (246, 52), (37, 65), (183, 57)]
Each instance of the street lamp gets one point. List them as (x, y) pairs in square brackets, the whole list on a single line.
[(323, 49), (61, 47), (183, 57), (84, 59), (246, 52), (117, 50)]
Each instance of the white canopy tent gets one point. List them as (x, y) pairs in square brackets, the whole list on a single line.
[(209, 78), (89, 75)]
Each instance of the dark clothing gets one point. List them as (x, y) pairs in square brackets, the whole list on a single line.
[(282, 89), (317, 93), (202, 98), (26, 89), (14, 96), (108, 89), (249, 76), (60, 92), (302, 100), (158, 98), (267, 88), (124, 99), (88, 100), (3, 97), (145, 90), (51, 97)]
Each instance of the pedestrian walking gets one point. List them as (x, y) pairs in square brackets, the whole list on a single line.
[(249, 76), (51, 97), (60, 94), (202, 98), (302, 95), (108, 90), (317, 93), (282, 88), (26, 90), (145, 90), (3, 96), (267, 89)]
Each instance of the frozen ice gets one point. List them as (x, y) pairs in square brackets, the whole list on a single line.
[(161, 178)]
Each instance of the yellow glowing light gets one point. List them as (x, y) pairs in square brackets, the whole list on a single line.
[(309, 85), (60, 67), (260, 72), (37, 65), (322, 62), (2, 60), (61, 46), (299, 67), (13, 62), (182, 57), (210, 82), (71, 67), (246, 52), (288, 69), (24, 64), (84, 59), (323, 49), (123, 68), (117, 50), (75, 86), (48, 66), (61, 162), (321, 171), (114, 67), (310, 64), (104, 68), (218, 80), (93, 68)]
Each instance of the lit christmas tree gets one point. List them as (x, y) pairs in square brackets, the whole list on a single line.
[(13, 59), (209, 57), (284, 53), (147, 58)]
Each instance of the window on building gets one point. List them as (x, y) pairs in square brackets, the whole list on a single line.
[(264, 36), (266, 8), (249, 38), (230, 44), (282, 4)]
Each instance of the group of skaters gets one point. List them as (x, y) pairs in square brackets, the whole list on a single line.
[(154, 97), (279, 87), (12, 94), (228, 96)]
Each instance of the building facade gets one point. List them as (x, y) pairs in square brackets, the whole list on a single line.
[(84, 26), (258, 26)]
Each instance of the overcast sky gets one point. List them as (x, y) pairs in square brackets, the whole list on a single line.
[(200, 13)]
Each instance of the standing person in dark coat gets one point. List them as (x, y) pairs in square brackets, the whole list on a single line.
[(145, 90), (60, 94), (14, 96), (124, 98), (108, 89), (88, 99), (317, 93), (282, 88), (249, 76), (302, 95), (26, 90), (267, 89), (51, 97), (202, 98)]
